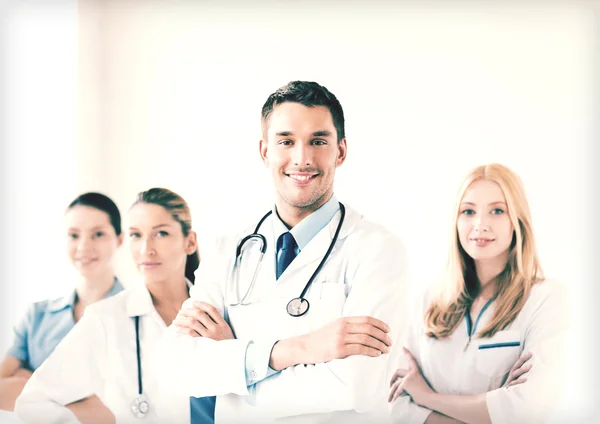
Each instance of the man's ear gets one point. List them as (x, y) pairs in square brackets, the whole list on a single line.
[(264, 151), (342, 149)]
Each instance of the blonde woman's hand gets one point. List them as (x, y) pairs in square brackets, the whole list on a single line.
[(410, 381), (517, 374)]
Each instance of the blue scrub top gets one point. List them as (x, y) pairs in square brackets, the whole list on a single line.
[(44, 326)]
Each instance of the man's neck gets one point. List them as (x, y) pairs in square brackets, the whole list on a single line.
[(293, 215)]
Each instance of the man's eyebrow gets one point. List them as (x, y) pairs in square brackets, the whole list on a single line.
[(284, 134)]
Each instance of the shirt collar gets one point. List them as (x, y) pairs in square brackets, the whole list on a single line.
[(310, 226), (68, 301)]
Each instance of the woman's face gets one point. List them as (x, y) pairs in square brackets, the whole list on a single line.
[(91, 241), (484, 227), (157, 243)]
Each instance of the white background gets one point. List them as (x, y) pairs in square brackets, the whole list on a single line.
[(122, 96)]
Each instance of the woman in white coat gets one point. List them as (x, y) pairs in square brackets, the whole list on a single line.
[(494, 305), (110, 351)]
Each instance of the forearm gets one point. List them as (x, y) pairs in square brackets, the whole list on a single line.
[(437, 418), (12, 366), (35, 405), (92, 411), (199, 367), (468, 409), (356, 383), (23, 373), (286, 353), (10, 389)]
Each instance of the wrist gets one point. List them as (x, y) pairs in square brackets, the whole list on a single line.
[(429, 400), (284, 354)]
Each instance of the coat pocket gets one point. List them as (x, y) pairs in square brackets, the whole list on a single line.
[(496, 356)]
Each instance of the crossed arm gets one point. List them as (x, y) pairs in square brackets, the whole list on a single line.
[(348, 357), (528, 395), (449, 408), (13, 376), (62, 390)]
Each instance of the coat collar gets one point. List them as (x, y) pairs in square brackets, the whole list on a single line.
[(139, 301), (317, 247)]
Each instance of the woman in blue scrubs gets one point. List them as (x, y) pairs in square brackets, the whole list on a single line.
[(93, 230)]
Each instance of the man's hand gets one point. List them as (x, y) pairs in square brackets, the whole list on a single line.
[(520, 367), (346, 336), (203, 320)]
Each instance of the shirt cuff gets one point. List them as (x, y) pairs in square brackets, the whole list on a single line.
[(258, 355)]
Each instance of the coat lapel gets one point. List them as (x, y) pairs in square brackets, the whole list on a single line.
[(304, 265)]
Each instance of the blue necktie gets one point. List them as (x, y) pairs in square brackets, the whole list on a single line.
[(286, 252), (202, 410)]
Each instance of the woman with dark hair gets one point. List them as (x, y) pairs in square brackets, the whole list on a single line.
[(93, 230), (110, 352)]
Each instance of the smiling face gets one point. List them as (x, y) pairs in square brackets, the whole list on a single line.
[(91, 241), (157, 243), (302, 152), (484, 227)]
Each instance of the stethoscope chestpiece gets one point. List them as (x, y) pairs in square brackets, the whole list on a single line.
[(140, 407), (297, 307)]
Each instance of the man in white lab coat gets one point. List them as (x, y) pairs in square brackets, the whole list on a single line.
[(242, 339)]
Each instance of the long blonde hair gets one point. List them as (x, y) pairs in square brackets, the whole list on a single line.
[(514, 283)]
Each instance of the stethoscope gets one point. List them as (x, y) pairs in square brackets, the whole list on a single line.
[(297, 306), (139, 406)]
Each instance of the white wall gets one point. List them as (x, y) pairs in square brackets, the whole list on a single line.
[(171, 96), (38, 80)]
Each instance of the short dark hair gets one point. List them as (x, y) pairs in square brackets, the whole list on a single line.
[(180, 211), (102, 203), (309, 94)]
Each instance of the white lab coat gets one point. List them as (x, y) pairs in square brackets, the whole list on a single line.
[(364, 275), (457, 366), (99, 357)]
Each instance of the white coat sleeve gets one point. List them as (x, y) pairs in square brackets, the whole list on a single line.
[(403, 409), (533, 401), (197, 366), (355, 383), (71, 373)]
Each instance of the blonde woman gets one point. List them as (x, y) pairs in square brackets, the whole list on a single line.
[(493, 306)]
